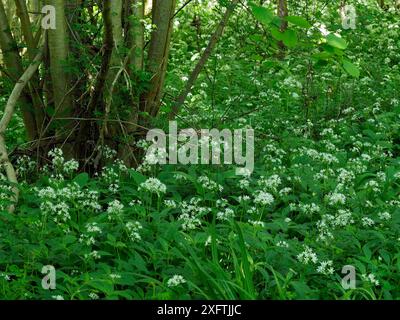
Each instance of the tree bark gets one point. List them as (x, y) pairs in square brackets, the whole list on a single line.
[(13, 64), (22, 12), (162, 13), (59, 52), (136, 35)]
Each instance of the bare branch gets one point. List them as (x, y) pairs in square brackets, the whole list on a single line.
[(206, 54), (8, 113)]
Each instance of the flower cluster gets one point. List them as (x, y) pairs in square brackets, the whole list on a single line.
[(175, 281), (153, 185)]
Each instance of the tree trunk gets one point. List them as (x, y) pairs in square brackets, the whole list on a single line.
[(22, 12), (135, 41), (59, 51), (136, 35), (13, 64), (163, 11)]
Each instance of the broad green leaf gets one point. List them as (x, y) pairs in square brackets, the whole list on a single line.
[(336, 41), (351, 68), (290, 38), (262, 14), (298, 21), (104, 286), (322, 55), (82, 179), (276, 33), (137, 176)]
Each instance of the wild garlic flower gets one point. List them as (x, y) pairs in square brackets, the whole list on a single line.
[(345, 177), (57, 157), (326, 267), (175, 281), (307, 256), (93, 296), (115, 209), (244, 198), (371, 278), (226, 215), (384, 215), (285, 191), (209, 184), (263, 198), (93, 228), (5, 276), (133, 229), (336, 198), (244, 183), (153, 185), (94, 255), (270, 183), (171, 204), (192, 213), (135, 202), (58, 212), (256, 223), (309, 208), (367, 222), (374, 185)]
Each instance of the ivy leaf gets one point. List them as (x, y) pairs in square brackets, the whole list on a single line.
[(336, 41), (262, 14), (298, 21), (351, 68)]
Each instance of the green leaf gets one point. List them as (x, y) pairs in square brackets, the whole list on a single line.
[(276, 33), (290, 38), (322, 56), (137, 176), (262, 14), (367, 252), (104, 286), (298, 21), (351, 68), (336, 41), (82, 179)]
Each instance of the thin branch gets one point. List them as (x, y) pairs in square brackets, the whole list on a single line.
[(7, 116), (181, 8), (206, 55)]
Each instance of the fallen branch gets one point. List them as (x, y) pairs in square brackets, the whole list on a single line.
[(8, 113)]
